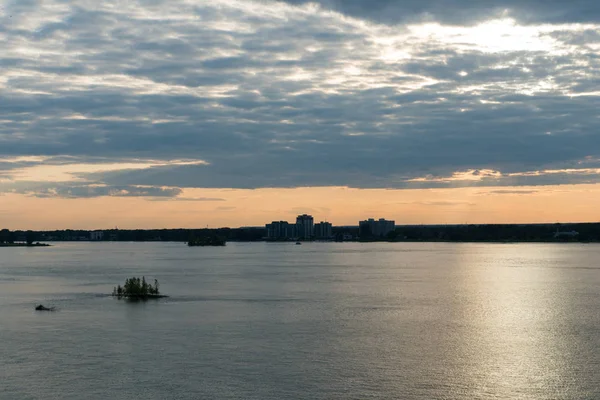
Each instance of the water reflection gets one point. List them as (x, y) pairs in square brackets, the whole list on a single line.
[(513, 342)]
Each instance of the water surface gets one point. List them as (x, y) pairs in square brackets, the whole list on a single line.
[(317, 321)]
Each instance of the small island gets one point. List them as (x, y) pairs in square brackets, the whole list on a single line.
[(207, 241), (138, 289), (37, 244)]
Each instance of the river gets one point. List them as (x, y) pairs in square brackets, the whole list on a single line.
[(316, 321)]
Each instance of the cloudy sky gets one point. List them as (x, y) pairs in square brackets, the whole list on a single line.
[(167, 113)]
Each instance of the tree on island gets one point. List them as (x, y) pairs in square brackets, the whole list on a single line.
[(137, 288)]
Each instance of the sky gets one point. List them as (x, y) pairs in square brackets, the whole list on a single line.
[(193, 113)]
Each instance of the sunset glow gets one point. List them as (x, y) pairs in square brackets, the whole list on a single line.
[(190, 113)]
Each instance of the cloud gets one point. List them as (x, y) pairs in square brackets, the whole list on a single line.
[(65, 169), (256, 94), (447, 203), (67, 177), (302, 210), (196, 199), (226, 208), (90, 191), (444, 203), (463, 11), (510, 192)]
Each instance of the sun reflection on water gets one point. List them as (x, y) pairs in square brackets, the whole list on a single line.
[(514, 345)]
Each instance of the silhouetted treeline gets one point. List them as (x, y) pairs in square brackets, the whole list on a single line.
[(207, 241), (149, 235), (577, 232), (7, 236), (584, 232)]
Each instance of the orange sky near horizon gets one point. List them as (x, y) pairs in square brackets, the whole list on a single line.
[(197, 208)]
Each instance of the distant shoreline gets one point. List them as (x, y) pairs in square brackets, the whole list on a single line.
[(24, 245), (466, 233), (320, 241)]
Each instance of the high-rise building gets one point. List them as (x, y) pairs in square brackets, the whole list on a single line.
[(323, 230), (375, 228), (305, 226), (281, 230)]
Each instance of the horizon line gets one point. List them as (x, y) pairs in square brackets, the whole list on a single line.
[(333, 226)]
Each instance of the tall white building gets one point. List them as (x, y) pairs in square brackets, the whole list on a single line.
[(323, 230), (305, 226), (281, 230)]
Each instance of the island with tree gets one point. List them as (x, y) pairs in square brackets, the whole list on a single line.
[(138, 289)]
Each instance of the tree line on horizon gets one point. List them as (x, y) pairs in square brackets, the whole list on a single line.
[(587, 232), (9, 237), (164, 235)]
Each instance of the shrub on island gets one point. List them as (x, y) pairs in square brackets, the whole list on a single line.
[(136, 288)]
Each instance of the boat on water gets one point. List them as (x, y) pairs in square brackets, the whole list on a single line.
[(298, 243), (42, 308)]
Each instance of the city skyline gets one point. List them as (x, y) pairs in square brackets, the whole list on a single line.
[(304, 228), (216, 113)]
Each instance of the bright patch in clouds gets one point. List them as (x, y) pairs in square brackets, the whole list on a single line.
[(500, 35)]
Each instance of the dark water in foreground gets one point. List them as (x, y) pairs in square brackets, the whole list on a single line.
[(317, 321)]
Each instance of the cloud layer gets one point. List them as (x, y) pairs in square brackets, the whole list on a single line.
[(283, 94), (464, 11)]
